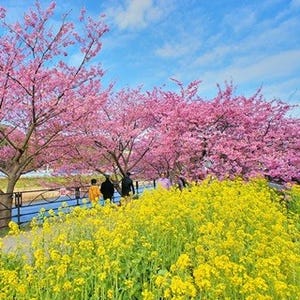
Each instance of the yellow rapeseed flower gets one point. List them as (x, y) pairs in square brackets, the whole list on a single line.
[(147, 295), (219, 239)]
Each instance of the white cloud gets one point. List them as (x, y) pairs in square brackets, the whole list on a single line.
[(181, 37), (138, 13), (284, 90), (295, 3), (241, 19), (266, 37), (287, 92), (215, 56), (134, 15), (277, 34), (170, 50), (269, 68), (186, 45)]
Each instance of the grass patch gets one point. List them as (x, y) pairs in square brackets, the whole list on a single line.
[(35, 183)]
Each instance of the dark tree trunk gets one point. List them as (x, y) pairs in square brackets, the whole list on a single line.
[(6, 202)]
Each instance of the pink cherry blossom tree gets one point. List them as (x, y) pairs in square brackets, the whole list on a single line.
[(228, 136), (179, 132), (174, 114), (44, 94), (118, 138), (249, 136)]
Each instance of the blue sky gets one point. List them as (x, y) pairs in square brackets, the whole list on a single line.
[(254, 43)]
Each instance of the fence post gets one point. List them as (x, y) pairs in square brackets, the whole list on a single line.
[(18, 204), (77, 194), (137, 187), (154, 183)]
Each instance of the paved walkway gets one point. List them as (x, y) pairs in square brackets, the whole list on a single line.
[(10, 243)]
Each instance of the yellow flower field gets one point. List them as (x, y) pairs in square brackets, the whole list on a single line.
[(216, 240)]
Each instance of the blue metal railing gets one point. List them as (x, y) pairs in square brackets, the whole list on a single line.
[(23, 211)]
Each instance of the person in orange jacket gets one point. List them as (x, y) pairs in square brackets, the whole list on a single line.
[(94, 191)]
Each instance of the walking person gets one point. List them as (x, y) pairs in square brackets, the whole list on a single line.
[(180, 182), (107, 189), (163, 181), (94, 192), (127, 186)]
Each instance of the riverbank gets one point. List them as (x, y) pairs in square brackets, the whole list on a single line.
[(44, 182)]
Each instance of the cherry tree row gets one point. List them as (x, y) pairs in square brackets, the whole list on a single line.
[(54, 111)]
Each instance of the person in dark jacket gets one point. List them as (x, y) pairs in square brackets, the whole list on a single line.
[(107, 189), (127, 185)]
